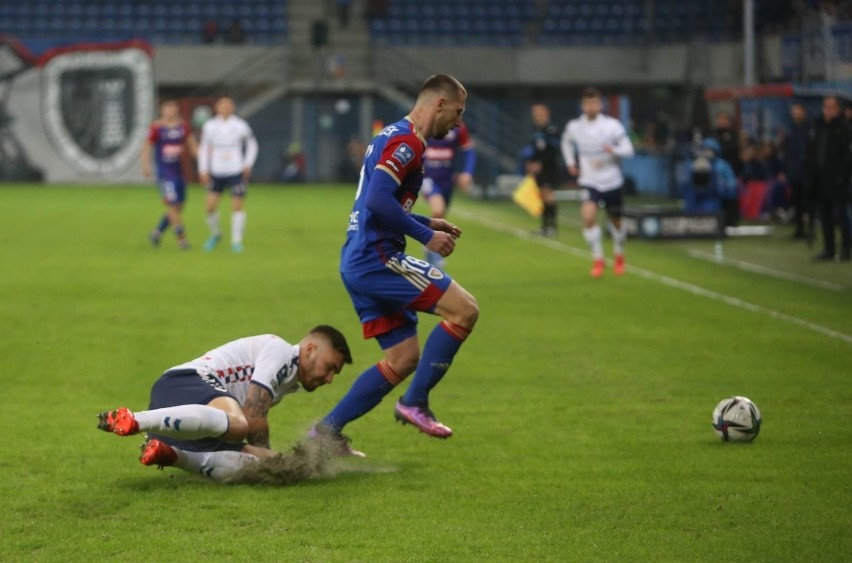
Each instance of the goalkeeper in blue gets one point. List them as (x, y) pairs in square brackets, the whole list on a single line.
[(389, 287)]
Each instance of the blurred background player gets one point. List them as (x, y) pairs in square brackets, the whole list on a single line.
[(793, 165), (545, 165), (599, 141), (226, 155), (440, 177), (166, 140), (387, 286), (215, 402)]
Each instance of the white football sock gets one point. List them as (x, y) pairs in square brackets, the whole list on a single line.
[(213, 223), (187, 422), (238, 226), (593, 237), (618, 237), (218, 466)]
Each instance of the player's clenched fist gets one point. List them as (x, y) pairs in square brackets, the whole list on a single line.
[(442, 243)]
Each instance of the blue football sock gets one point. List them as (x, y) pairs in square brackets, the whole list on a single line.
[(438, 354), (367, 392), (163, 224)]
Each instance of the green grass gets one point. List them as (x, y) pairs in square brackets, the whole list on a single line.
[(581, 407)]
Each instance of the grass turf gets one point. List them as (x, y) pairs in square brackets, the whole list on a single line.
[(581, 407)]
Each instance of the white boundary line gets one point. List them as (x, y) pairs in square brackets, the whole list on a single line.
[(758, 269), (747, 266), (665, 280)]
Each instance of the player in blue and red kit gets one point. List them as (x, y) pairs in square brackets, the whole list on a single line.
[(387, 286), (167, 138), (440, 167)]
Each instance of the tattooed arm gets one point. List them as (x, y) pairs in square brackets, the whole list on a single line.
[(256, 407)]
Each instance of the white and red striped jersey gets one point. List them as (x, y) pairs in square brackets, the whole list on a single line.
[(265, 360), (588, 139), (227, 147)]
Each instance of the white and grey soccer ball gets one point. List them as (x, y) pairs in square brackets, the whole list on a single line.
[(736, 419)]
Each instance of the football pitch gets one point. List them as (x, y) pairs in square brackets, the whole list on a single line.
[(581, 408)]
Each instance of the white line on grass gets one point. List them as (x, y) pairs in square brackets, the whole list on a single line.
[(747, 266), (758, 269), (665, 280)]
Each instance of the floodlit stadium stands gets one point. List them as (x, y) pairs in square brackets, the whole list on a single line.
[(553, 23), (159, 21)]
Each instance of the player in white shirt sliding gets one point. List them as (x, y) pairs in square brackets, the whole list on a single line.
[(201, 411), (599, 141), (226, 155)]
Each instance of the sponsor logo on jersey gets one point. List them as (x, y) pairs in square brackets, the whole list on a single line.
[(353, 221), (403, 154), (390, 163)]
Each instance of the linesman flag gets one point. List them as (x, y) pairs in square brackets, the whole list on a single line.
[(528, 196)]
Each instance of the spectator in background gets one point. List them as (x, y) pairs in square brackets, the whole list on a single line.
[(777, 202), (847, 113), (828, 167), (729, 141), (794, 145), (209, 32), (293, 166), (712, 184), (344, 7), (377, 9), (349, 167), (236, 33)]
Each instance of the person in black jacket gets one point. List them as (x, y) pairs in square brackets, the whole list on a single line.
[(793, 164), (545, 163), (828, 170)]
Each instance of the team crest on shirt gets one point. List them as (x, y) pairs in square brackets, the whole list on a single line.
[(403, 154), (435, 274)]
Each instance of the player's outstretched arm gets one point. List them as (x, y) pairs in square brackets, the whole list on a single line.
[(256, 408)]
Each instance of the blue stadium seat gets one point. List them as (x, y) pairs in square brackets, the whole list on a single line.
[(124, 25)]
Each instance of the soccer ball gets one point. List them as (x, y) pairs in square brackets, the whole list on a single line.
[(736, 419)]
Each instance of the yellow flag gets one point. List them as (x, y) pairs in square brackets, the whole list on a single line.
[(528, 196)]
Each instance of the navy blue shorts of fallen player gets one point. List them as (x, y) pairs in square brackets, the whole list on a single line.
[(186, 387), (387, 296), (235, 183), (612, 200)]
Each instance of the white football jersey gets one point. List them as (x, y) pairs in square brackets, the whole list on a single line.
[(265, 360), (227, 146), (588, 137)]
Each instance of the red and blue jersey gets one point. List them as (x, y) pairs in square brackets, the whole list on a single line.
[(387, 190), (440, 157), (169, 142)]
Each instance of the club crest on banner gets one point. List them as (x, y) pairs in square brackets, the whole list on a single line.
[(97, 105)]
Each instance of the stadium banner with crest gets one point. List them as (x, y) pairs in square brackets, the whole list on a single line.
[(77, 113)]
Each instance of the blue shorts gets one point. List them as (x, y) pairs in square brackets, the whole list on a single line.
[(172, 190), (612, 200), (235, 183), (432, 187), (386, 298), (186, 387)]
